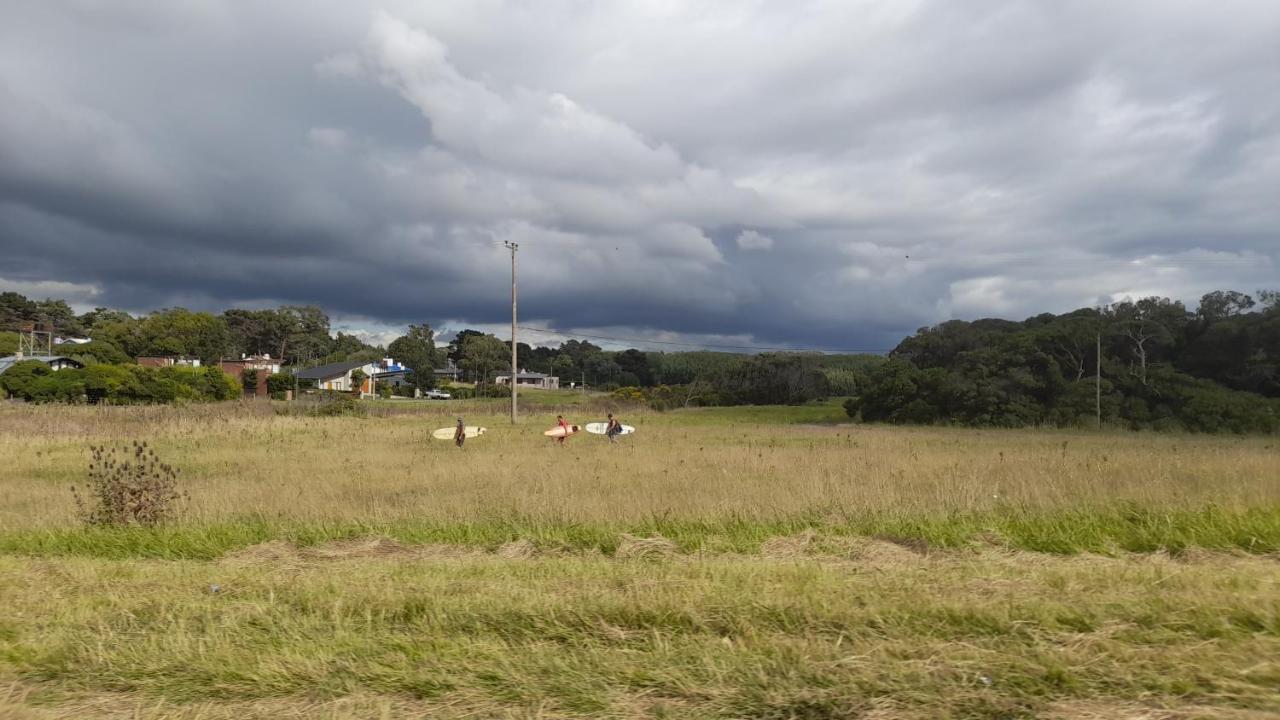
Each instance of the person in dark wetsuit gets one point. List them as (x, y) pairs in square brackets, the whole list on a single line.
[(460, 434), (614, 429)]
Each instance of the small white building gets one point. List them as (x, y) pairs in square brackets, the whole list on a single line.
[(524, 378)]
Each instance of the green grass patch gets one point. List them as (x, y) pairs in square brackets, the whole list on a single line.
[(1130, 529), (587, 637)]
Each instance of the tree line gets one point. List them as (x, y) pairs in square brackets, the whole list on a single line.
[(1161, 366), (1157, 364)]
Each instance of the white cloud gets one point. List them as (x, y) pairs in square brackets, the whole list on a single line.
[(539, 132), (80, 296)]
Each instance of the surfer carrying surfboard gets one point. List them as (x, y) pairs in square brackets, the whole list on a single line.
[(560, 422), (460, 434), (613, 430)]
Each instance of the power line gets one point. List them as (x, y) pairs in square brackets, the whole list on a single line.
[(703, 346)]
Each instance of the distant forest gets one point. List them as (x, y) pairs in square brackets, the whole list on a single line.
[(1214, 369)]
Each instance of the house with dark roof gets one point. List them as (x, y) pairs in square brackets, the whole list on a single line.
[(337, 376), (55, 362)]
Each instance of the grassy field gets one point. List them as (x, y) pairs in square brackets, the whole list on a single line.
[(747, 562)]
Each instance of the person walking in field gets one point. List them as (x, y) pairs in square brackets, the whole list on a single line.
[(460, 434), (560, 421), (613, 430)]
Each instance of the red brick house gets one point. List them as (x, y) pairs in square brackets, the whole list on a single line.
[(263, 364)]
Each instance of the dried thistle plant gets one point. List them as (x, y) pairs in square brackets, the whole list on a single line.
[(128, 486)]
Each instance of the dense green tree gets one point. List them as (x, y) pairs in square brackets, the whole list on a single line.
[(773, 379), (15, 309), (59, 316), (562, 366), (349, 348), (94, 352), (539, 359), (416, 350), (124, 333), (1223, 304), (100, 315), (178, 331), (454, 351), (685, 367), (1152, 327), (637, 364), (481, 355), (260, 332), (1162, 367), (306, 329), (600, 368)]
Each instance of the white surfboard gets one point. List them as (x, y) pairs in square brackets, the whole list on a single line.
[(447, 433), (598, 428)]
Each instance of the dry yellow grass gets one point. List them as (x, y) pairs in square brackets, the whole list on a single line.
[(243, 459), (664, 577)]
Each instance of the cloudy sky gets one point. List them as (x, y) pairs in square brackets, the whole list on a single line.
[(826, 174)]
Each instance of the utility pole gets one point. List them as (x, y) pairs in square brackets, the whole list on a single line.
[(1097, 383), (513, 247)]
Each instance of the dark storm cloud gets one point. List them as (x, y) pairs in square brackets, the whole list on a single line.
[(815, 174)]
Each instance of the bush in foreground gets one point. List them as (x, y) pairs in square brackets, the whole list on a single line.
[(128, 487)]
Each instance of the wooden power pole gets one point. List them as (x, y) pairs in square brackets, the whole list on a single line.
[(513, 247), (1097, 382)]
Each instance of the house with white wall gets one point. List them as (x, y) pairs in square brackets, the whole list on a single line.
[(524, 378), (337, 376)]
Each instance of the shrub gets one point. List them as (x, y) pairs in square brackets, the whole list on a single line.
[(629, 394), (249, 379), (358, 377), (128, 486), (280, 383), (21, 379), (344, 406), (103, 383)]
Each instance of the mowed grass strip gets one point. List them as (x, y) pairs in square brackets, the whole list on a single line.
[(999, 635)]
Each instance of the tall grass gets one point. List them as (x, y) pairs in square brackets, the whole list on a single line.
[(733, 473), (805, 569), (582, 637)]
